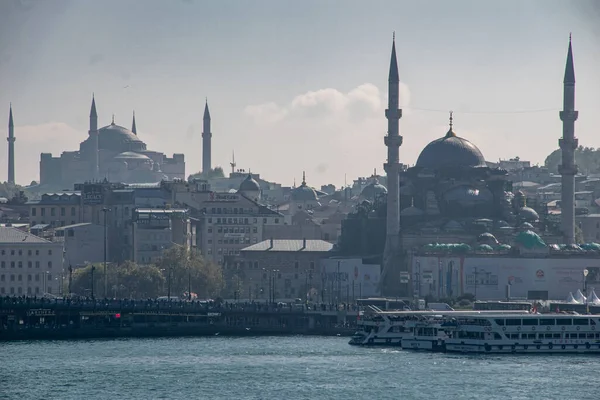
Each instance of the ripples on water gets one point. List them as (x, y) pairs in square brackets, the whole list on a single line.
[(278, 368)]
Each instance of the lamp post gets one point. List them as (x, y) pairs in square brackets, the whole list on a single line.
[(275, 271), (93, 268), (105, 210), (585, 274), (475, 291)]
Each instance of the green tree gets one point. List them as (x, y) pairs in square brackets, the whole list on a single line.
[(184, 268), (586, 158), (128, 280), (216, 172)]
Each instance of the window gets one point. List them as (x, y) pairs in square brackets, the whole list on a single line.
[(29, 252), (52, 212), (28, 290), (20, 264), (37, 278), (19, 290), (312, 265), (37, 252), (33, 211), (49, 252), (2, 264), (12, 278), (12, 252), (37, 290), (70, 233), (20, 252), (254, 230), (2, 278), (43, 211), (29, 278), (276, 220), (20, 278), (12, 264), (37, 264), (63, 211), (210, 220), (264, 220), (29, 264)]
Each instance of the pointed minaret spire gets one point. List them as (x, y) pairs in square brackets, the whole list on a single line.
[(206, 141), (133, 127), (232, 163), (113, 120), (303, 178), (569, 67), (393, 76), (11, 147), (568, 143), (92, 149)]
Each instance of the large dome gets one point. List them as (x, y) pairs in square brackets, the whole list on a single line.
[(119, 139), (373, 190), (450, 151)]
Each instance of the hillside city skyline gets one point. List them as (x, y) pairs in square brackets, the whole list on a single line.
[(284, 111)]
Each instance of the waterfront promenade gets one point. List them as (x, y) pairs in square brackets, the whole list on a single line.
[(35, 318)]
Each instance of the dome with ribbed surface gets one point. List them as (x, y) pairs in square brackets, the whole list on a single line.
[(373, 190), (118, 139), (304, 192), (450, 151)]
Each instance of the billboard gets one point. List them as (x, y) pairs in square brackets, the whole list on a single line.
[(488, 277), (351, 274), (92, 194)]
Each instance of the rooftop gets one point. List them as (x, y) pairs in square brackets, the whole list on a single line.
[(62, 228), (291, 245), (13, 235)]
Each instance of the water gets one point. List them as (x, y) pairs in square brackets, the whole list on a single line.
[(278, 368)]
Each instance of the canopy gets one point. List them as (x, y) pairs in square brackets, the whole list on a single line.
[(592, 298), (571, 299), (579, 297)]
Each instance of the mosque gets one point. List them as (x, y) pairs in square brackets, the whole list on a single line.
[(114, 153)]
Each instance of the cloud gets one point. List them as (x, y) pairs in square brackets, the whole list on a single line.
[(31, 140), (359, 104)]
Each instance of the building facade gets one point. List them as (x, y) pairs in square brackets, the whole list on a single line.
[(155, 230), (29, 265)]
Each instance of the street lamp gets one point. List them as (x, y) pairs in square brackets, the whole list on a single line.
[(105, 210), (93, 269), (274, 274), (585, 274)]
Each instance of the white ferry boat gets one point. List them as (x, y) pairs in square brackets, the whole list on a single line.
[(533, 333), (390, 328)]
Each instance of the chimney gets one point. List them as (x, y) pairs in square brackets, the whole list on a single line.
[(271, 244), (303, 243)]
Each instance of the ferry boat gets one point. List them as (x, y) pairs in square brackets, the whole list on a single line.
[(533, 333), (390, 328)]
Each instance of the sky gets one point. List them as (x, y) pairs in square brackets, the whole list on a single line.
[(295, 86)]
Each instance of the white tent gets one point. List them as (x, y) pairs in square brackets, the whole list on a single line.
[(592, 298), (571, 299), (580, 297)]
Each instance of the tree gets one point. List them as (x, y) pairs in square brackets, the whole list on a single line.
[(586, 158), (128, 280), (216, 172), (184, 268)]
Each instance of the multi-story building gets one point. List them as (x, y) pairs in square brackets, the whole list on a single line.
[(83, 243), (56, 209), (288, 268), (29, 265), (155, 230)]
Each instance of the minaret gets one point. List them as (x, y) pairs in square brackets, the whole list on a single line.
[(568, 143), (11, 147), (94, 148), (206, 139), (232, 163), (393, 141), (133, 127)]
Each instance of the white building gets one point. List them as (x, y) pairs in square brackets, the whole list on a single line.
[(29, 265), (350, 278), (488, 277)]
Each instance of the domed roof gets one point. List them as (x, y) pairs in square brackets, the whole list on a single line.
[(130, 155), (450, 151), (411, 211), (304, 192), (528, 214), (373, 190), (119, 139), (249, 185)]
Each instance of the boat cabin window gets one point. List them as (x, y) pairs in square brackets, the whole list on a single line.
[(513, 322), (547, 321), (530, 321), (564, 321), (500, 322), (581, 321)]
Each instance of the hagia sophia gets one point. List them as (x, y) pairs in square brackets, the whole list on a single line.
[(112, 152)]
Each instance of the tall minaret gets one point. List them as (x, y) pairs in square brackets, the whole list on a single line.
[(393, 141), (206, 139), (133, 127), (568, 143), (93, 132), (11, 147)]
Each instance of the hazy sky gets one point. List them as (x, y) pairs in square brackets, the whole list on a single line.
[(295, 85)]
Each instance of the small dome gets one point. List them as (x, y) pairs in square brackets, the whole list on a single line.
[(373, 190), (303, 192), (249, 185), (487, 238), (450, 151), (528, 214), (411, 211), (130, 155)]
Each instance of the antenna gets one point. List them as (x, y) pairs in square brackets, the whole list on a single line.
[(232, 163)]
